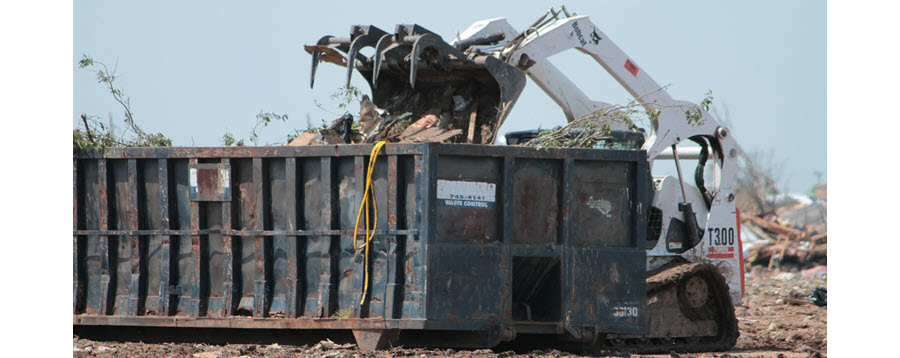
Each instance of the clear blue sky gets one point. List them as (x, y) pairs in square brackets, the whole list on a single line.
[(195, 70)]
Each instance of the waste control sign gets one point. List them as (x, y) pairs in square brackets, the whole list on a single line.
[(468, 194)]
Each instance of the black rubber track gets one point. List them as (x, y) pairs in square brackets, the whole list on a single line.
[(670, 278)]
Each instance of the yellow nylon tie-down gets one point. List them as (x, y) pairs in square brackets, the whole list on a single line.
[(364, 206)]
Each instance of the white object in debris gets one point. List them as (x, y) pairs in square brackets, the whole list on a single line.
[(749, 240), (459, 103), (786, 276), (785, 198)]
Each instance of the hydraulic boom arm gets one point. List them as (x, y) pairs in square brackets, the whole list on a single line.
[(566, 94)]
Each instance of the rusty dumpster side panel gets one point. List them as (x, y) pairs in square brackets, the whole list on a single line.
[(243, 237), (237, 232), (557, 247)]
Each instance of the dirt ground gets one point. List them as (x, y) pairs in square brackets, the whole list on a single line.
[(770, 325)]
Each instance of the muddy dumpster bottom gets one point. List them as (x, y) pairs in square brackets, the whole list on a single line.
[(768, 329)]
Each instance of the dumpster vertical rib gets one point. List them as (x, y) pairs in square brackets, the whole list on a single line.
[(566, 230), (195, 254), (324, 289), (508, 189), (412, 298), (507, 201), (103, 209), (426, 181), (131, 223), (415, 295), (390, 271), (290, 216), (357, 286), (379, 244), (228, 285), (302, 242), (165, 256), (75, 260), (640, 220), (566, 201), (259, 299)]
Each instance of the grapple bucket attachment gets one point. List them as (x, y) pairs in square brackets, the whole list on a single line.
[(414, 71)]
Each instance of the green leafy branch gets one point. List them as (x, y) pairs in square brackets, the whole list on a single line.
[(263, 119), (98, 138), (695, 115), (346, 95), (592, 128), (86, 138)]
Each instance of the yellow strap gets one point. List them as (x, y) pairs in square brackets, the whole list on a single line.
[(363, 206)]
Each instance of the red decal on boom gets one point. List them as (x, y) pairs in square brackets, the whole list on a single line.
[(631, 67)]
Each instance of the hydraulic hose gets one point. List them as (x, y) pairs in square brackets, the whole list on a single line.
[(364, 207), (701, 166)]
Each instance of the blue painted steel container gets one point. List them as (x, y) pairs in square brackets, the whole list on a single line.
[(489, 242)]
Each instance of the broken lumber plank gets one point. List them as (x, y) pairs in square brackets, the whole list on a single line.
[(304, 138), (472, 117), (775, 228), (331, 137)]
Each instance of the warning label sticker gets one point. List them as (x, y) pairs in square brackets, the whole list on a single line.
[(631, 67), (468, 194), (719, 252)]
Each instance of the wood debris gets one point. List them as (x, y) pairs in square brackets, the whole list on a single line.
[(331, 137), (306, 138), (774, 227), (790, 239)]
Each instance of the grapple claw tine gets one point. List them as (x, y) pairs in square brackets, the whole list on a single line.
[(417, 49), (316, 56), (393, 72), (315, 63), (368, 36), (351, 58), (429, 40), (382, 45)]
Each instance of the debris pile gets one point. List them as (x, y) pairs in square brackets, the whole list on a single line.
[(411, 118), (423, 88), (795, 237)]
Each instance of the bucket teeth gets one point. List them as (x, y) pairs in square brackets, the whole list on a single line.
[(326, 46), (413, 70), (407, 39), (383, 43), (316, 54), (431, 41), (366, 36)]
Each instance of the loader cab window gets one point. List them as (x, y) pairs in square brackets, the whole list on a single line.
[(654, 227)]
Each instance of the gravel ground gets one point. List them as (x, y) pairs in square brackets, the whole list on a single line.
[(771, 326)]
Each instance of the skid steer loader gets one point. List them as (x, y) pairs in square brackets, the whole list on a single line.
[(694, 260)]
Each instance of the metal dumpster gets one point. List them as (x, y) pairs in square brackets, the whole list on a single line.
[(474, 243)]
